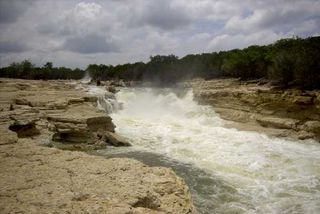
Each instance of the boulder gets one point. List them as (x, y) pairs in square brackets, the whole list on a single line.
[(115, 139), (80, 127)]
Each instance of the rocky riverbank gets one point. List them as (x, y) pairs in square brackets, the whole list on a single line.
[(37, 179), (259, 106)]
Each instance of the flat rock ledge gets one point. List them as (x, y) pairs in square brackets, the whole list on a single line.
[(36, 179), (259, 106)]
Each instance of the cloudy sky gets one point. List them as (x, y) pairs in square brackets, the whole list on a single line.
[(75, 33)]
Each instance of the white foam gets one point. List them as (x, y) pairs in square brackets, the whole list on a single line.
[(274, 175)]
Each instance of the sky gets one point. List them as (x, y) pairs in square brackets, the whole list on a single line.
[(75, 33)]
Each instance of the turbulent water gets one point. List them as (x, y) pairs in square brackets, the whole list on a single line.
[(228, 171)]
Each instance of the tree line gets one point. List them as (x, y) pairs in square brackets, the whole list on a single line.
[(292, 62), (27, 70)]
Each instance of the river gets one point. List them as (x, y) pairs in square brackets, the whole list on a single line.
[(227, 170)]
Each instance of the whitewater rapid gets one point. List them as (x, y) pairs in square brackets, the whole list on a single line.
[(256, 173)]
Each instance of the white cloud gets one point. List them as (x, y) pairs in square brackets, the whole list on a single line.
[(227, 42), (76, 33)]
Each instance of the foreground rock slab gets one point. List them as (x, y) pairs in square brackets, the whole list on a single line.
[(37, 179)]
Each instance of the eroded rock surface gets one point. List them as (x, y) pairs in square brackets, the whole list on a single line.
[(38, 179), (58, 110), (286, 113)]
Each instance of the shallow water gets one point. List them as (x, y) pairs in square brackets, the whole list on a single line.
[(229, 171)]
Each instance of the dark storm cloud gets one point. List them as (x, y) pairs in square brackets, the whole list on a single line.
[(11, 10), (163, 15), (12, 47), (89, 44)]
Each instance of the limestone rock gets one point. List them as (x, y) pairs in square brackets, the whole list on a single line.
[(254, 104), (115, 140), (277, 122), (38, 179)]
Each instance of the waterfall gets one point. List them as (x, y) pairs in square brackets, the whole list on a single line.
[(251, 172), (106, 100)]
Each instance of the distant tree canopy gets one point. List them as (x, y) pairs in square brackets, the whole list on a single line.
[(292, 62), (26, 70)]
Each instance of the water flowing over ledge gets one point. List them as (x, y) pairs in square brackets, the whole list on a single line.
[(253, 172)]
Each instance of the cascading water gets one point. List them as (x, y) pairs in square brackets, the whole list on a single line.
[(87, 78), (106, 100), (228, 171)]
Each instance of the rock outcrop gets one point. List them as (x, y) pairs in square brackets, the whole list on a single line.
[(37, 179), (292, 112), (56, 109)]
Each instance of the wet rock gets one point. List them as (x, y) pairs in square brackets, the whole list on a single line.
[(118, 83), (277, 122), (102, 123), (312, 126), (115, 140), (112, 89), (302, 135)]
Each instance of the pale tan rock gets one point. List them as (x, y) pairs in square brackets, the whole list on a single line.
[(38, 179), (255, 104), (7, 136)]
